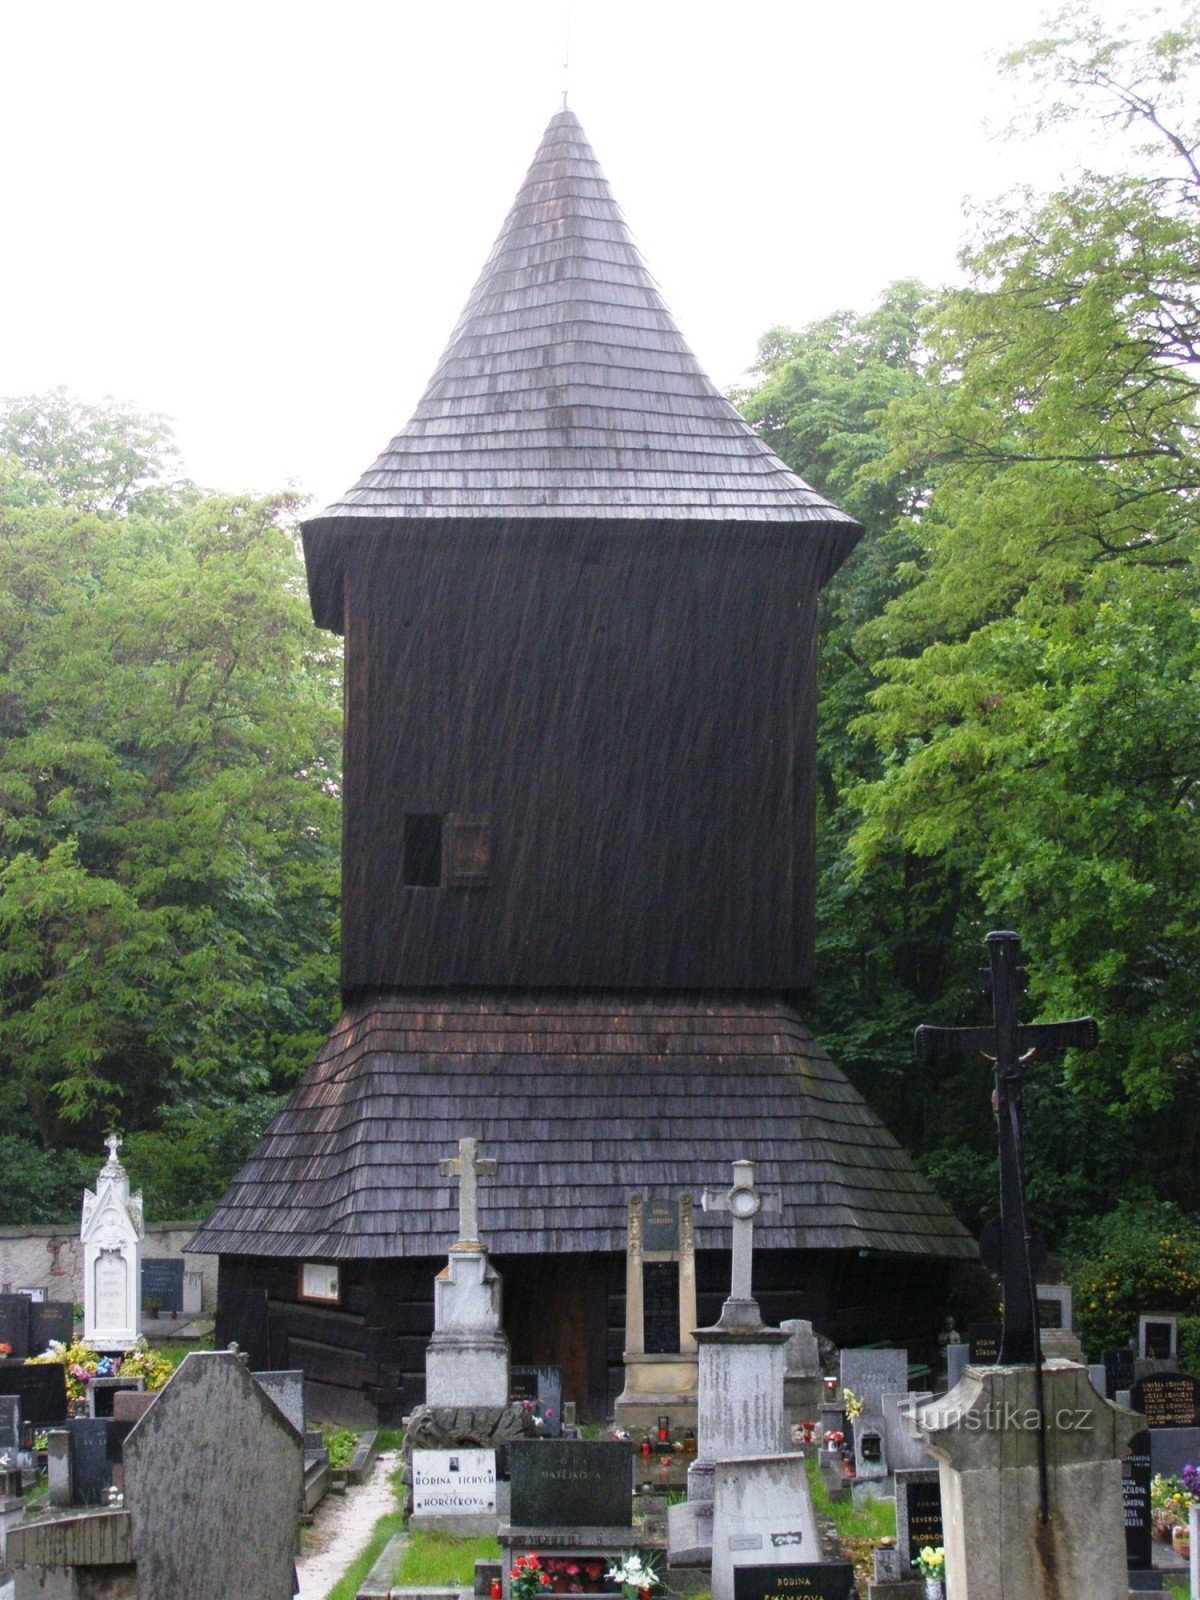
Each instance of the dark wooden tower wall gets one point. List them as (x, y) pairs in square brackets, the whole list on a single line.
[(614, 734)]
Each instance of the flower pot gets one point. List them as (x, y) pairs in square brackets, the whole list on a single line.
[(935, 1589), (1181, 1541)]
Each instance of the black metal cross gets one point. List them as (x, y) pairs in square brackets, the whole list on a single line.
[(1010, 1044)]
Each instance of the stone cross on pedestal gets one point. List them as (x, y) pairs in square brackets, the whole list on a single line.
[(743, 1201), (467, 1169), (113, 1144)]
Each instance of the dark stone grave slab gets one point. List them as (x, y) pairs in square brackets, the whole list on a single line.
[(1118, 1371), (1167, 1400), (918, 1512), (91, 1466), (1172, 1449), (10, 1423), (661, 1227), (42, 1390), (820, 1580), (162, 1285), (103, 1391), (50, 1319), (14, 1324), (569, 1483), (660, 1307), (983, 1343), (1135, 1492), (543, 1385), (1050, 1313)]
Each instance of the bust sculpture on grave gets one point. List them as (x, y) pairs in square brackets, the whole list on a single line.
[(111, 1233)]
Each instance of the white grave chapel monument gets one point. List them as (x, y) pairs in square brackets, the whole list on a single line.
[(112, 1234), (466, 1364)]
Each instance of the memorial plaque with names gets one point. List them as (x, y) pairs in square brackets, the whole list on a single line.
[(1158, 1340), (543, 1386), (41, 1390), (983, 1343), (91, 1466), (661, 1229), (162, 1285), (454, 1482), (1168, 1400), (1118, 1372), (14, 1324), (1135, 1493), (568, 1483), (660, 1303), (821, 1580), (918, 1512), (522, 1383), (50, 1319), (1050, 1313)]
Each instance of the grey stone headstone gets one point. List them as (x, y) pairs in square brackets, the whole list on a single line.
[(542, 1385), (41, 1390), (918, 1512), (91, 1469), (870, 1374), (58, 1466), (14, 1324), (563, 1483), (50, 1319), (762, 1516), (1098, 1377), (286, 1389), (10, 1423), (958, 1357), (215, 1472), (1172, 1449), (870, 1448), (905, 1447), (1055, 1307)]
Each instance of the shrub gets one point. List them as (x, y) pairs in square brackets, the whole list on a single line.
[(1143, 1258)]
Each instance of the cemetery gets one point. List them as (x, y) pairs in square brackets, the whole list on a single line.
[(573, 1262)]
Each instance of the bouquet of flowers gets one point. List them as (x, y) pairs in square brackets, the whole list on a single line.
[(528, 1578), (634, 1575), (851, 1405), (1170, 1503), (833, 1439)]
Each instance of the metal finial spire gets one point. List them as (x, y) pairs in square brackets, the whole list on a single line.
[(567, 53)]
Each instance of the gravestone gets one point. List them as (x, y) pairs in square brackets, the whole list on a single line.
[(91, 1468), (14, 1324), (286, 1389), (214, 1479), (111, 1232), (1168, 1400), (824, 1580), (803, 1387), (957, 1358), (870, 1374), (1055, 1307), (102, 1392), (453, 1491), (466, 1362), (762, 1516), (541, 1386), (905, 1447), (870, 1452), (983, 1343), (1118, 1372), (660, 1314), (1158, 1336), (40, 1390), (10, 1423), (1135, 1494), (50, 1320), (162, 1286), (567, 1483), (918, 1513)]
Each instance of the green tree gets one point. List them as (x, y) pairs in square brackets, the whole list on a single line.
[(169, 772)]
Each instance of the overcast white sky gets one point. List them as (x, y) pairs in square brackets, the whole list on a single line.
[(263, 219)]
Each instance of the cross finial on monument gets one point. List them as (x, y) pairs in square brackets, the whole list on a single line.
[(743, 1201), (113, 1144), (467, 1170)]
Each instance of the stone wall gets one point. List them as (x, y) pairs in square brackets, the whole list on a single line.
[(49, 1256)]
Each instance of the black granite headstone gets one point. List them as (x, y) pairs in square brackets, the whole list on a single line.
[(50, 1319), (1050, 1313), (924, 1520), (14, 1324), (162, 1285), (821, 1580), (91, 1468), (1167, 1400), (983, 1343), (1135, 1492), (543, 1385), (1118, 1371), (1157, 1340), (661, 1227), (660, 1308), (42, 1390), (567, 1483)]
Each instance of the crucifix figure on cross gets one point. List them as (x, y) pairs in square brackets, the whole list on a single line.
[(743, 1202), (1010, 1044), (467, 1169)]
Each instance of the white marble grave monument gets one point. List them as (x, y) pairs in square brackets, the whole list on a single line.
[(111, 1234), (466, 1364)]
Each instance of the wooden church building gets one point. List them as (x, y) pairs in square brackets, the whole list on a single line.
[(578, 595)]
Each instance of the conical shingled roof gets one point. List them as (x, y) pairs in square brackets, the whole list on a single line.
[(664, 1093), (567, 390)]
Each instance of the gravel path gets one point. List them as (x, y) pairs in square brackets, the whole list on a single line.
[(341, 1528)]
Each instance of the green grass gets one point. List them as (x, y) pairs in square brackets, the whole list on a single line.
[(868, 1519), (1178, 1588), (436, 1559), (347, 1586), (175, 1349), (389, 1438)]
